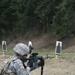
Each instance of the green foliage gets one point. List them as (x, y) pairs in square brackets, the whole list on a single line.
[(7, 17), (45, 11), (19, 16), (27, 18), (63, 19)]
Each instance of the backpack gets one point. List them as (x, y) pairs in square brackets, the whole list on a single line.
[(5, 68)]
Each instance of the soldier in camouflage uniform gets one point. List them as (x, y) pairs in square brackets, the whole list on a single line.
[(18, 66)]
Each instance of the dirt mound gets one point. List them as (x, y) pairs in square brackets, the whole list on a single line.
[(43, 41), (70, 49), (46, 41)]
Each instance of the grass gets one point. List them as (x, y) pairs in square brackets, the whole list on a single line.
[(52, 53), (42, 52), (68, 55), (9, 51)]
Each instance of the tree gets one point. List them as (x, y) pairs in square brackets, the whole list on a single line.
[(45, 11), (63, 19)]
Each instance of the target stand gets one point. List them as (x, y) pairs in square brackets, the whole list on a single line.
[(58, 49), (4, 47)]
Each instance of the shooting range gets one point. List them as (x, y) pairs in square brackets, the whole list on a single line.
[(4, 47), (58, 48)]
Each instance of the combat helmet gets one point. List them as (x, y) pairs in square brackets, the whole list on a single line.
[(21, 49)]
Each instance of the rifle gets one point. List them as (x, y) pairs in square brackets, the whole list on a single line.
[(35, 61)]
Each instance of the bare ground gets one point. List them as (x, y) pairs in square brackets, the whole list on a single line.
[(57, 67), (53, 67)]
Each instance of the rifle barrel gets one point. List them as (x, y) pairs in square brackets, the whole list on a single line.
[(47, 56)]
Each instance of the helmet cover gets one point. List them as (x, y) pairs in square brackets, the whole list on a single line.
[(21, 49)]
